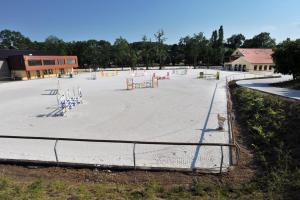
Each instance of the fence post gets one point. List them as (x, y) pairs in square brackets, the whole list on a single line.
[(222, 157), (134, 156), (55, 152)]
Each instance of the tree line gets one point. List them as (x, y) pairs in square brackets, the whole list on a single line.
[(193, 50)]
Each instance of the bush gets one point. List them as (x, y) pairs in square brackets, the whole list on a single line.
[(273, 126)]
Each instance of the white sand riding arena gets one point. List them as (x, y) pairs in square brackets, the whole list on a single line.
[(182, 109)]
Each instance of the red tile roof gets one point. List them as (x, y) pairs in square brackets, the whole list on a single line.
[(259, 56)]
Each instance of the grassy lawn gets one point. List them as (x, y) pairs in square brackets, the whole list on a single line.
[(272, 125), (44, 189)]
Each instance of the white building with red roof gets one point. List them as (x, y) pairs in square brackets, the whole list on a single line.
[(251, 60)]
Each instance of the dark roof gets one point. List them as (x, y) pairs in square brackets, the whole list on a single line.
[(5, 53)]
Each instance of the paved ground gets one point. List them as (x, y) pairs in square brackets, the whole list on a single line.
[(183, 109), (264, 85)]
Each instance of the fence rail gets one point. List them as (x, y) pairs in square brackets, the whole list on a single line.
[(56, 139)]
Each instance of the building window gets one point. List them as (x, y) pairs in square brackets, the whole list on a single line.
[(260, 67), (244, 68), (265, 67), (270, 67), (61, 61), (38, 73), (255, 67), (34, 62), (50, 71), (71, 61), (49, 62)]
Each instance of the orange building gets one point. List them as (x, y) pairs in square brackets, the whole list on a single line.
[(27, 64), (28, 67)]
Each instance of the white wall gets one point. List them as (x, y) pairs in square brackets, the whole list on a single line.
[(4, 70)]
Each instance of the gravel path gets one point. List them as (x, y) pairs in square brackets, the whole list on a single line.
[(264, 85)]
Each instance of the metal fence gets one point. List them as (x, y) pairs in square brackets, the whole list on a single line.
[(134, 143)]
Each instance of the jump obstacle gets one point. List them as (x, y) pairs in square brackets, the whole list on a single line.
[(109, 73), (167, 77), (66, 102), (137, 73), (179, 72), (145, 84), (93, 75), (209, 76)]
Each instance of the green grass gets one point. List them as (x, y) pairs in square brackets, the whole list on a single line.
[(45, 189), (273, 125)]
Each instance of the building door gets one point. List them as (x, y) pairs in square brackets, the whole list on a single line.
[(28, 75), (244, 68), (240, 68), (61, 71), (38, 73)]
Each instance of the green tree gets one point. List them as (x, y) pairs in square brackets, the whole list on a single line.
[(160, 48), (176, 54), (133, 58), (216, 51), (262, 40), (146, 51), (235, 41), (121, 51), (214, 39), (287, 58), (195, 48), (91, 53), (56, 45), (9, 39)]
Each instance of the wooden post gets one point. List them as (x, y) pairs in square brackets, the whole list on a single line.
[(222, 157), (134, 161), (55, 152), (129, 82)]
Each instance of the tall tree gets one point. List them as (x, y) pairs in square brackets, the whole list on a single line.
[(55, 44), (91, 54), (221, 37), (262, 40), (195, 48), (145, 51), (235, 41), (14, 39), (121, 51), (287, 58), (160, 48), (221, 45), (214, 39), (176, 54), (216, 52)]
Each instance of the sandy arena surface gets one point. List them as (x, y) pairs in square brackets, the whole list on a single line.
[(182, 109)]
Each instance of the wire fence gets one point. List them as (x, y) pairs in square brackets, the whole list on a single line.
[(134, 143)]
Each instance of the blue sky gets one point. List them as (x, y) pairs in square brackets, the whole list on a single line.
[(131, 19)]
